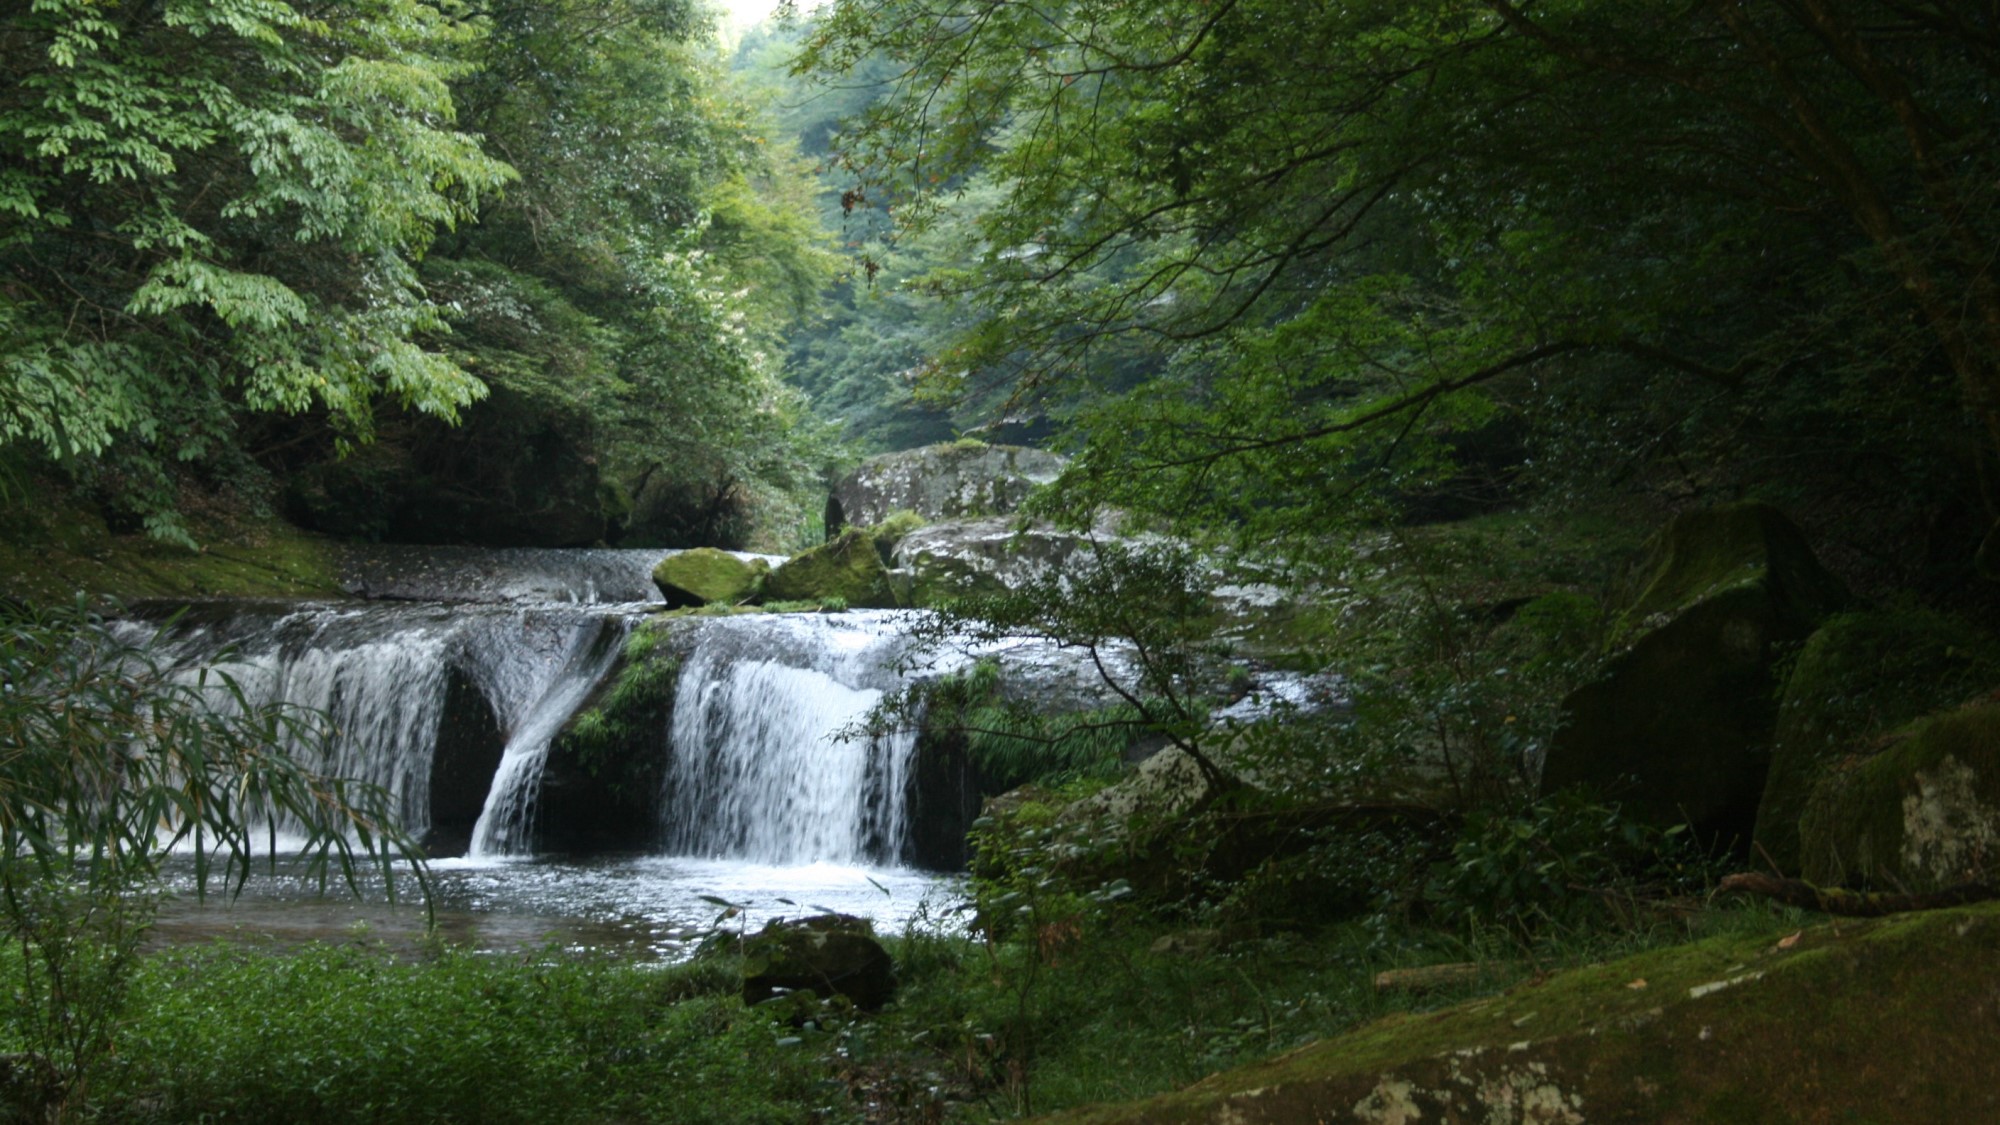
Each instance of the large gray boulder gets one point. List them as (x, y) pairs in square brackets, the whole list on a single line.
[(964, 478), (992, 555)]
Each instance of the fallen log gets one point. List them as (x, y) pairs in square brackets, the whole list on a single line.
[(1428, 978), (1854, 904)]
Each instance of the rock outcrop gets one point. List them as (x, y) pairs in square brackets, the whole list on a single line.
[(1860, 676), (1895, 1019), (1678, 727), (991, 555), (949, 481), (1921, 815)]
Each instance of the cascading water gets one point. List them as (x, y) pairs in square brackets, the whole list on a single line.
[(506, 823), (382, 675), (770, 763)]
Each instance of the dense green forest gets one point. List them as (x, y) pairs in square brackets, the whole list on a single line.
[(1603, 398)]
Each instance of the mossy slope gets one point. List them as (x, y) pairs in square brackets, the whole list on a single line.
[(1890, 1022), (52, 549)]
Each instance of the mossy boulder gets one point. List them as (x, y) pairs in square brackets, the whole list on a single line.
[(1892, 1021), (830, 954), (1860, 675), (1678, 726), (1921, 815), (945, 481), (848, 568), (892, 531), (705, 574)]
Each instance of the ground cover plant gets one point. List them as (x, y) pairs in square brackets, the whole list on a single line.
[(352, 1033)]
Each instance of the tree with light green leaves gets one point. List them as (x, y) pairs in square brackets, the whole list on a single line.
[(216, 206)]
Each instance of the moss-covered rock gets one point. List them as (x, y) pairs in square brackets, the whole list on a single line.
[(1860, 675), (1678, 726), (830, 954), (1891, 1022), (848, 568), (1706, 554), (606, 768), (1920, 815), (705, 574)]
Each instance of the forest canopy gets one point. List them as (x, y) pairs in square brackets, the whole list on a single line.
[(1302, 241)]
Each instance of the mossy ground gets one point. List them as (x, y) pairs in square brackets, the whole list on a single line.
[(1890, 1021), (54, 546)]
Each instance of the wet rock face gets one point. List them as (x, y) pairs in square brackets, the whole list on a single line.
[(1921, 815), (940, 482), (831, 954), (468, 749), (1678, 727), (1897, 1016)]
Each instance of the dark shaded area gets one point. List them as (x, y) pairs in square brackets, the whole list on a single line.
[(520, 471), (944, 796), (469, 745)]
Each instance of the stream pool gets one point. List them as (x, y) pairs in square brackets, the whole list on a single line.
[(643, 907)]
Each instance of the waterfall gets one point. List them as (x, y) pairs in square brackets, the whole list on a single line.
[(769, 761), (382, 673), (506, 823)]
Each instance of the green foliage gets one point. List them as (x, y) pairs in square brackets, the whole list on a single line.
[(218, 207), (1559, 864), (349, 1034), (1616, 233), (1139, 612), (1012, 744)]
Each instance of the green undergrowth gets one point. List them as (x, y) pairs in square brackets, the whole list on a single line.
[(1012, 744), (347, 1034)]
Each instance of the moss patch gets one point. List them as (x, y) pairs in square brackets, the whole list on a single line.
[(1861, 674), (1921, 815), (848, 568), (53, 547), (1893, 1019)]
